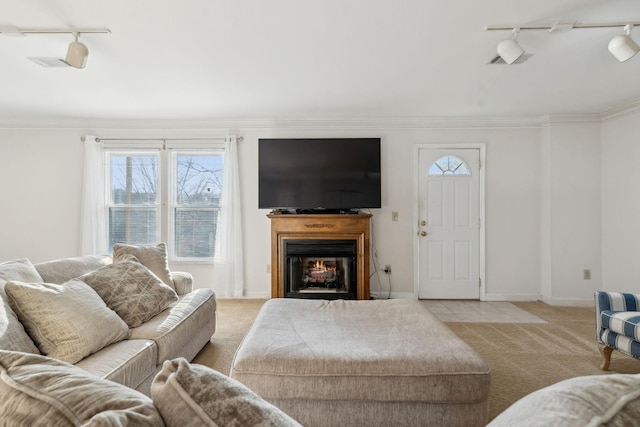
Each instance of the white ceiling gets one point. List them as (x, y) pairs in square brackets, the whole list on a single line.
[(312, 59)]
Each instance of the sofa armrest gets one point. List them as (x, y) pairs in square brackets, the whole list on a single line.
[(616, 301), (182, 281), (613, 301)]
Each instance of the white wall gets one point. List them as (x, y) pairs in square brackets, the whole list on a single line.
[(621, 203), (512, 216), (40, 175), (40, 188), (545, 212), (572, 205), (512, 176)]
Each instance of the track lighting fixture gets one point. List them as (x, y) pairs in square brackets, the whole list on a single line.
[(77, 52), (509, 49), (623, 47)]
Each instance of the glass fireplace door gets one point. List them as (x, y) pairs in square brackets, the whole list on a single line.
[(320, 268)]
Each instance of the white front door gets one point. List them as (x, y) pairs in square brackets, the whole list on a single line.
[(449, 223)]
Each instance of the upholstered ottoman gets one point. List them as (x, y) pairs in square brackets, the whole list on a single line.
[(364, 363)]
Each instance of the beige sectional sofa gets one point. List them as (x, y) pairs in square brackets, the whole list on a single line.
[(103, 341), (178, 320)]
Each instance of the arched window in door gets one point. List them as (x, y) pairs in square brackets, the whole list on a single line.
[(449, 165)]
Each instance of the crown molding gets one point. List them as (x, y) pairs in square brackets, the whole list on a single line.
[(553, 119), (285, 123), (352, 123), (621, 110)]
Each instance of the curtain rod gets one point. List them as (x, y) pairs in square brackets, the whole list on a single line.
[(239, 139)]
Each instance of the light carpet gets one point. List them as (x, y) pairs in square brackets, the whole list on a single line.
[(523, 357)]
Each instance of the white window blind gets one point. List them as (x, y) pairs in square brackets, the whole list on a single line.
[(134, 204), (185, 211), (196, 181)]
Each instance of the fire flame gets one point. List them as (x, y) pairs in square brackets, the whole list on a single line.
[(321, 266)]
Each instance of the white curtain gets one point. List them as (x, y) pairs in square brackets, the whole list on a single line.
[(93, 217), (230, 269)]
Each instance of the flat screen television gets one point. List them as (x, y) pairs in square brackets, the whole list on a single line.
[(319, 174)]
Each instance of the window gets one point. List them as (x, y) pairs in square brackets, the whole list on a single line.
[(133, 198), (185, 211), (449, 165), (195, 204)]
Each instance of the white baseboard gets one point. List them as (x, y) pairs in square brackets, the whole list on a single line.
[(248, 295), (569, 302), (394, 295), (562, 302), (374, 295), (512, 297)]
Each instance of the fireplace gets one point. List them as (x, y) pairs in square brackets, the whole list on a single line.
[(320, 268), (320, 256)]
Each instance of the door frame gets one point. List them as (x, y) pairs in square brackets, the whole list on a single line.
[(481, 146)]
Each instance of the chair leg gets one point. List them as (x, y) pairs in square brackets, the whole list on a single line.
[(606, 356)]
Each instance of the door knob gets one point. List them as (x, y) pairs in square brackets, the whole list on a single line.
[(423, 223), (423, 233)]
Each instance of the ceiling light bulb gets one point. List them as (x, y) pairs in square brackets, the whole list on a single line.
[(509, 50), (623, 48), (77, 54)]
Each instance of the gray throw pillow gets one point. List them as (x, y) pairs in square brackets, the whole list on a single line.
[(152, 257), (39, 391), (131, 290), (191, 395), (594, 400), (19, 269), (68, 321), (12, 333)]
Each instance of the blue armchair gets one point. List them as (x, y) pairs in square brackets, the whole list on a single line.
[(617, 324)]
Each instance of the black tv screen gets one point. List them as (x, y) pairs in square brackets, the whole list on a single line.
[(319, 174)]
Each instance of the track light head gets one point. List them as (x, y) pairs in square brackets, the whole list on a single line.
[(77, 54), (509, 49), (623, 47)]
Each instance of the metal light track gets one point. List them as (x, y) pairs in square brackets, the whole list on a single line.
[(15, 31), (560, 26)]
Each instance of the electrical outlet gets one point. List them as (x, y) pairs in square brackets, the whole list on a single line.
[(268, 268), (586, 274), (387, 269), (394, 216)]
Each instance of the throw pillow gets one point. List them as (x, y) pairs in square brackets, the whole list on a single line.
[(40, 391), (12, 333), (61, 270), (193, 395), (131, 290), (19, 269), (152, 257), (592, 400), (68, 321)]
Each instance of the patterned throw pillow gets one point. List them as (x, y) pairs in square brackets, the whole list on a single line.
[(131, 290), (68, 321), (152, 257), (39, 391), (191, 395)]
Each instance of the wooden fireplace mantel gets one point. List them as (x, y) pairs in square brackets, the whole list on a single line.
[(319, 226)]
